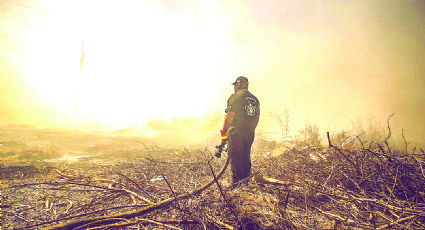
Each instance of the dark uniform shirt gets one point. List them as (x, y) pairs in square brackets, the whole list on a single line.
[(246, 107)]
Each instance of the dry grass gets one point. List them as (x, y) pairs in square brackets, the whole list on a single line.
[(342, 186)]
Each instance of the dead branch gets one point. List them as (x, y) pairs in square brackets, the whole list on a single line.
[(131, 214), (135, 195), (387, 193), (389, 131), (399, 221), (220, 223), (225, 199), (78, 177), (160, 224), (80, 215), (99, 222), (346, 157), (267, 180), (332, 216), (165, 223)]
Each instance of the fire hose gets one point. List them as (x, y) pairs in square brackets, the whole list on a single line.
[(103, 220)]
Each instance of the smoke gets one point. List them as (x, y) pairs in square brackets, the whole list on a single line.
[(20, 105), (332, 63), (13, 96)]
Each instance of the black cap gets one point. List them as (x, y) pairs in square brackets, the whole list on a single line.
[(240, 79)]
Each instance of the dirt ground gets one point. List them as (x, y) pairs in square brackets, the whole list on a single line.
[(52, 177)]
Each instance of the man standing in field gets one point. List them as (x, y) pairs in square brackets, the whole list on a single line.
[(240, 121)]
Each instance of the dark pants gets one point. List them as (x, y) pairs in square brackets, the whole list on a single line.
[(240, 154)]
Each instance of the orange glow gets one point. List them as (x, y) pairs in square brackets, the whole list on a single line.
[(329, 62)]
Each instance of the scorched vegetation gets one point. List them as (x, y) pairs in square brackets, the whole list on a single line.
[(117, 181)]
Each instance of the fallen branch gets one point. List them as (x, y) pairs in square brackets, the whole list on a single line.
[(165, 223), (78, 177), (220, 223), (267, 180), (225, 199), (399, 221), (85, 226), (131, 214), (79, 215)]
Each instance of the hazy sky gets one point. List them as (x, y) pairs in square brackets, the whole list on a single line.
[(329, 62)]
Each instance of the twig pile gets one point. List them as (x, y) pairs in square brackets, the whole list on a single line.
[(361, 187), (375, 187), (369, 187)]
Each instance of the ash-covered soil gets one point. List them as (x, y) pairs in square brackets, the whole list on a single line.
[(363, 186)]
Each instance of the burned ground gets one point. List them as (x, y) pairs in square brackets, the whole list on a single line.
[(364, 185)]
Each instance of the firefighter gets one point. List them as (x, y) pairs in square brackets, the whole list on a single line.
[(240, 120)]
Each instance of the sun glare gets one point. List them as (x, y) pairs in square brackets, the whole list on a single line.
[(139, 62)]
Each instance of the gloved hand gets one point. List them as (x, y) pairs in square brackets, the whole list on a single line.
[(219, 149), (223, 136)]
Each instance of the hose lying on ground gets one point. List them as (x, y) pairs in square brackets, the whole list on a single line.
[(103, 220)]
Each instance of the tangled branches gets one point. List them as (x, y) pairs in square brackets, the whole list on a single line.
[(361, 186), (381, 188)]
